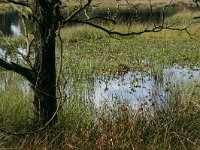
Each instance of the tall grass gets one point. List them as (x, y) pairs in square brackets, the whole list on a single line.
[(94, 52), (16, 106), (175, 126)]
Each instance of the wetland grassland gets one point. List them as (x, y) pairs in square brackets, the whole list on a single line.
[(90, 55)]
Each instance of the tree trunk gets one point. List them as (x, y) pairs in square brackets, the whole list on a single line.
[(45, 84), (45, 102)]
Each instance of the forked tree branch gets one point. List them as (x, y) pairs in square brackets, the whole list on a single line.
[(156, 28), (145, 30), (15, 50), (25, 72), (111, 32), (73, 15)]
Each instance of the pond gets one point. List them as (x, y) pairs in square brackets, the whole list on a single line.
[(10, 24), (144, 88)]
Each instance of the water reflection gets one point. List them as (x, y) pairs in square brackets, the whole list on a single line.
[(10, 24), (138, 88)]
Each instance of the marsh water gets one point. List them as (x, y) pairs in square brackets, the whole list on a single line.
[(135, 87), (144, 88), (10, 24)]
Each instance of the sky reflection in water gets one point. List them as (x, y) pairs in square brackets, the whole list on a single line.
[(138, 88)]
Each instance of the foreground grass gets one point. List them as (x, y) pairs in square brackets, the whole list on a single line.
[(175, 126)]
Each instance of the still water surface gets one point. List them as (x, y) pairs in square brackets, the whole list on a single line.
[(10, 24), (141, 88)]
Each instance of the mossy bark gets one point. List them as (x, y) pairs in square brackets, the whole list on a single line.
[(45, 101)]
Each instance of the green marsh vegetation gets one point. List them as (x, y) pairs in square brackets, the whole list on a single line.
[(89, 52)]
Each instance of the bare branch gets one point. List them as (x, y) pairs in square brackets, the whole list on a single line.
[(15, 50), (72, 16), (111, 32), (154, 28), (164, 12), (186, 29), (27, 73), (136, 7), (28, 43), (197, 17)]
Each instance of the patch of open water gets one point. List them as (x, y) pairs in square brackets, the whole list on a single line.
[(10, 24), (138, 88)]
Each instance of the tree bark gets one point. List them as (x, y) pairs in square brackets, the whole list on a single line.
[(45, 84), (45, 101)]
